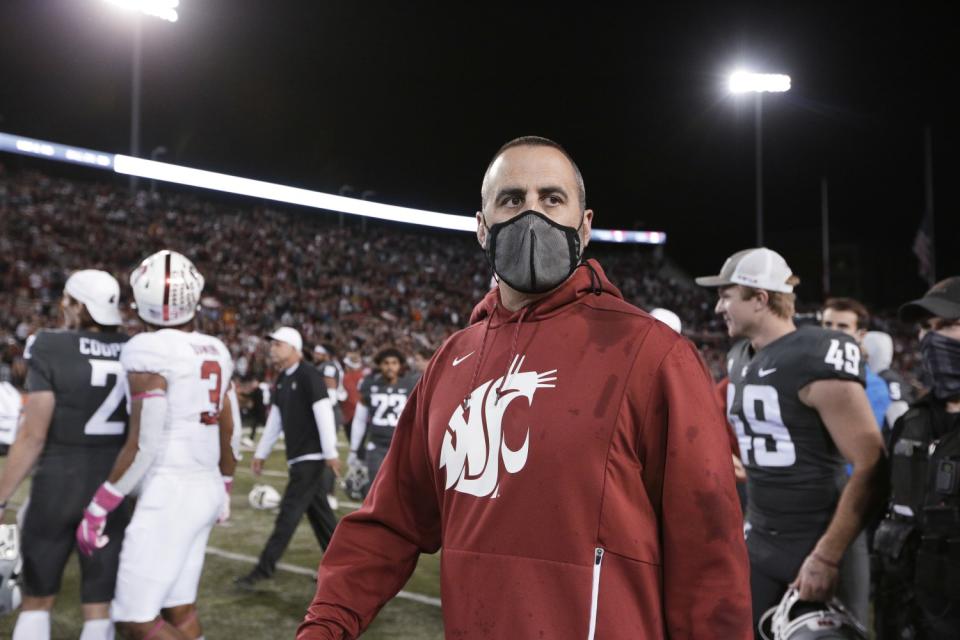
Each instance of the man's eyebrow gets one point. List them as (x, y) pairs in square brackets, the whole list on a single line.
[(549, 189), (511, 191)]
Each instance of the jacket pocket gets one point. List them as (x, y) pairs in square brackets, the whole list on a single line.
[(628, 523)]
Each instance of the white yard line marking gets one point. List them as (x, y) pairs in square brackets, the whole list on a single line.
[(303, 571)]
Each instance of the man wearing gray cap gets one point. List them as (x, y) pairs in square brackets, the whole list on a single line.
[(74, 425), (797, 402), (303, 410), (918, 594)]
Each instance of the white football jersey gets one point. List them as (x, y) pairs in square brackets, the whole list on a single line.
[(11, 406), (198, 370)]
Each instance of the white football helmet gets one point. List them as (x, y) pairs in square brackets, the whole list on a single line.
[(166, 287), (10, 566), (796, 619), (263, 496)]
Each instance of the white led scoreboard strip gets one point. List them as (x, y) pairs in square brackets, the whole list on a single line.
[(166, 172)]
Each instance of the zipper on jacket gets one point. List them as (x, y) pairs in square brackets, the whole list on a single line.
[(597, 562)]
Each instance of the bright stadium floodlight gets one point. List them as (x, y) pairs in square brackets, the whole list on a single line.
[(746, 82), (163, 9), (164, 171), (758, 84)]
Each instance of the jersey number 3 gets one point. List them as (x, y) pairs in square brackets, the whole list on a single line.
[(761, 410), (211, 369)]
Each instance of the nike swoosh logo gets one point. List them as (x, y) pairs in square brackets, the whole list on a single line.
[(457, 361), (763, 373)]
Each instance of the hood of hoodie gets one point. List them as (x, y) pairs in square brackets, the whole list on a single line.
[(587, 279), (879, 348)]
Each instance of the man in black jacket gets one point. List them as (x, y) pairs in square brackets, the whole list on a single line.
[(918, 593), (303, 410)]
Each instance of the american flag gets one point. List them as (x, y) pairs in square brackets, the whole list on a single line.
[(924, 250)]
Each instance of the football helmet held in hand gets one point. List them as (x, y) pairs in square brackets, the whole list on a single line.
[(796, 619)]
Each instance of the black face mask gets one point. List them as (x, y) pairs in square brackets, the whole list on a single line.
[(532, 253), (940, 356)]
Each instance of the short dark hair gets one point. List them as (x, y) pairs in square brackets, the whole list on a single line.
[(849, 304), (537, 141), (389, 352)]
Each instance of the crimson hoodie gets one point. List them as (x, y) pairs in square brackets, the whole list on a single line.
[(572, 462)]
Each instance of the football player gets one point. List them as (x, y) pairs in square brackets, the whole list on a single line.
[(383, 395), (178, 453), (796, 400), (74, 424)]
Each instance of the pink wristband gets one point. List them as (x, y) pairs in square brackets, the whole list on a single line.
[(106, 498)]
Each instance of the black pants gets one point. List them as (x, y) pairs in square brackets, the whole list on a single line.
[(307, 489), (775, 560), (63, 485)]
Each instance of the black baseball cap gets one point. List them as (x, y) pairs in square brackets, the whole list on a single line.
[(942, 300)]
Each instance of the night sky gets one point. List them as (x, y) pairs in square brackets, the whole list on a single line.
[(410, 100)]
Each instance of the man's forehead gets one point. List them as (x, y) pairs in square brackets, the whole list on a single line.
[(530, 166)]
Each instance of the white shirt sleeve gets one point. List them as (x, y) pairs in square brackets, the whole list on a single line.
[(153, 414), (358, 428), (327, 428), (271, 431)]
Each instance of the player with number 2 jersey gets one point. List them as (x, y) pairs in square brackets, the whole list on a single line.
[(74, 423), (796, 401), (179, 445)]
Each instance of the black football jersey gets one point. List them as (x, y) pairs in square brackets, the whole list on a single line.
[(82, 369), (385, 403), (898, 387), (794, 471)]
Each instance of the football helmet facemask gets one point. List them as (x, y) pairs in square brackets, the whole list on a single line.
[(796, 619), (356, 481)]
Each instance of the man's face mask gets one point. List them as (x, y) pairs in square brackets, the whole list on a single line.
[(940, 356), (532, 253)]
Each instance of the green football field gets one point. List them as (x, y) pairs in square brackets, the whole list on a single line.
[(278, 605)]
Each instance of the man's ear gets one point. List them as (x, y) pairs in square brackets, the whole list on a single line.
[(481, 230), (587, 226), (762, 298)]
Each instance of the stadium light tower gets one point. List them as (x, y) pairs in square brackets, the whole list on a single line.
[(758, 84), (165, 10)]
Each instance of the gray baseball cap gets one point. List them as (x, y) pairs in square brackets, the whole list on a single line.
[(760, 268)]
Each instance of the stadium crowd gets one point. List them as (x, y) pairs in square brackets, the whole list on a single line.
[(355, 288)]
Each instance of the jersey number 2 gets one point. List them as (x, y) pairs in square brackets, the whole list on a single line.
[(769, 426), (211, 369), (100, 423)]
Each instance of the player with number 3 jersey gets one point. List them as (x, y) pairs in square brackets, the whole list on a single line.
[(796, 401), (177, 450)]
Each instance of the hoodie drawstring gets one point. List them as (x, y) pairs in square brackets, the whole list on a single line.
[(596, 284), (513, 351), (465, 404)]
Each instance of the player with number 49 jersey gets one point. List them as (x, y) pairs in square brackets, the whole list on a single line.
[(776, 430), (796, 401)]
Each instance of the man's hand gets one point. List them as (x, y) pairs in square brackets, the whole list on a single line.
[(256, 465), (817, 579), (334, 463), (90, 536), (739, 472), (225, 509)]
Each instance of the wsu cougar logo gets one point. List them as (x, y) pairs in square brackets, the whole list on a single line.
[(472, 449)]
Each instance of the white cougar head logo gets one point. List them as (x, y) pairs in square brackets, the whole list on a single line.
[(472, 448)]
